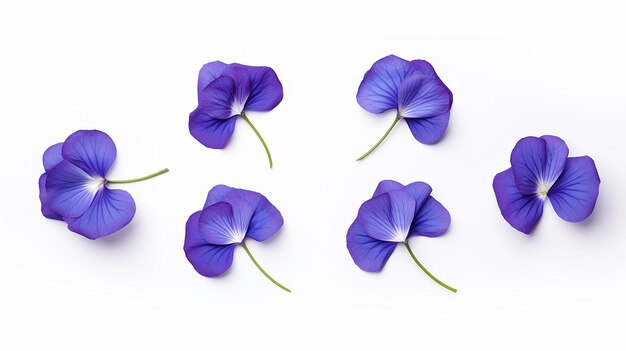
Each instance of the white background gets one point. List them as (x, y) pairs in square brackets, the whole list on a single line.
[(130, 70)]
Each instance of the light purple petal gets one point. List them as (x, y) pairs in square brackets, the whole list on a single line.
[(110, 211), (537, 163), (425, 68), (209, 72), (43, 198), (429, 130), (52, 156), (368, 253), (208, 260), (217, 194), (225, 223), (217, 99), (211, 132), (260, 85), (378, 91), (388, 217), (574, 194), (432, 219), (70, 191), (386, 186), (91, 150), (421, 96), (520, 210), (419, 191), (556, 155)]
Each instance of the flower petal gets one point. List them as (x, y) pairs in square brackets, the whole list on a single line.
[(388, 217), (378, 91), (261, 85), (386, 186), (217, 194), (368, 253), (91, 150), (52, 156), (208, 260), (538, 162), (419, 191), (425, 68), (211, 132), (520, 210), (574, 194), (421, 96), (110, 211), (43, 198), (225, 223), (70, 191), (217, 99), (209, 72), (428, 130), (431, 220)]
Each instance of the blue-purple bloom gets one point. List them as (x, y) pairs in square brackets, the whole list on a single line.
[(228, 91), (540, 169), (74, 186), (229, 216), (394, 214), (414, 90)]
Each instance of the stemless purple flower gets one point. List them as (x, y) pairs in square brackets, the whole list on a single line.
[(74, 186), (394, 214), (229, 216), (227, 91), (540, 169), (414, 90)]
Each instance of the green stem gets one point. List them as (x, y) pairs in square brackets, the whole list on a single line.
[(406, 243), (164, 170), (262, 270), (395, 121), (267, 151)]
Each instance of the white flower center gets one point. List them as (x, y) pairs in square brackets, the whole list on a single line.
[(236, 107), (399, 235), (543, 187), (236, 235), (94, 184)]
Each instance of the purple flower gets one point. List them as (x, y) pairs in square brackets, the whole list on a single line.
[(229, 217), (226, 92), (540, 169), (74, 186), (394, 214), (414, 90)]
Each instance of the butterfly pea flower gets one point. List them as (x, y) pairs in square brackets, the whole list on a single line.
[(540, 170), (414, 91), (394, 214), (74, 187), (229, 217), (228, 91)]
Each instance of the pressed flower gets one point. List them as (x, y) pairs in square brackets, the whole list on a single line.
[(414, 90), (393, 215), (74, 186), (228, 91), (540, 170), (228, 218)]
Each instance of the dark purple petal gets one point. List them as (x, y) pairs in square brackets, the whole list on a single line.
[(420, 96), (388, 217), (91, 150), (432, 219), (70, 191), (425, 68), (419, 191), (110, 211), (52, 156), (218, 98), (368, 253), (574, 194), (211, 132), (521, 211), (209, 72), (225, 223), (386, 186), (428, 130), (260, 86), (537, 163), (378, 91), (43, 198), (208, 260)]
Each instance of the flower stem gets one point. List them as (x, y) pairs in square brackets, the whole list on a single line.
[(261, 269), (395, 121), (406, 243), (267, 151), (164, 170)]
